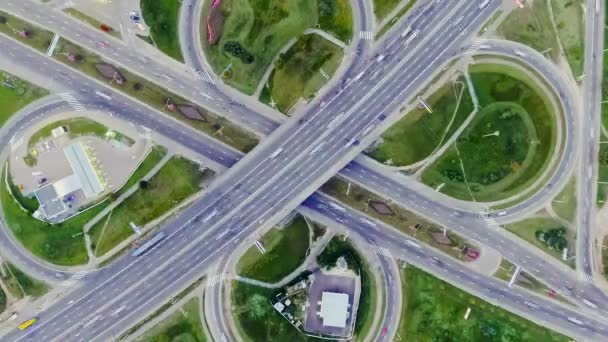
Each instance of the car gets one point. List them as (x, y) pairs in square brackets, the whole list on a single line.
[(134, 16), (471, 253), (551, 293), (384, 332), (437, 261), (42, 180), (105, 28), (458, 214)]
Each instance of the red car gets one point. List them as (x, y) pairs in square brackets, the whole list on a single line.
[(384, 331), (552, 293), (105, 28), (471, 253)]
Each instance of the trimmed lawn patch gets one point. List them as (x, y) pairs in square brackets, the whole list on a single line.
[(507, 146), (528, 228), (162, 18), (570, 23), (15, 94), (184, 325), (419, 133), (20, 284), (383, 7), (433, 312), (254, 31), (154, 157), (396, 18), (178, 179), (564, 204), (285, 251), (26, 33), (298, 71), (61, 244), (602, 187), (531, 26)]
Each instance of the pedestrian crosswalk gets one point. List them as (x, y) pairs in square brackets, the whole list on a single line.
[(383, 251), (476, 46), (75, 278), (203, 76), (367, 35), (587, 278), (72, 101), (216, 279)]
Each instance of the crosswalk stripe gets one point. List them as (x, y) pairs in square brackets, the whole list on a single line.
[(366, 35), (75, 278), (72, 101), (203, 76)]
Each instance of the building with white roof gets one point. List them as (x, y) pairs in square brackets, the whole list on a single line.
[(334, 309)]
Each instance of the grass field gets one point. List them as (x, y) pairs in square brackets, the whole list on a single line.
[(285, 251), (297, 74), (184, 325), (498, 165), (261, 28), (531, 26), (2, 301), (162, 18), (178, 179), (602, 188), (37, 37), (13, 99), (91, 21), (526, 230), (433, 311), (570, 23), (419, 133), (60, 244), (564, 204), (338, 247), (20, 284), (383, 7), (154, 157), (403, 220)]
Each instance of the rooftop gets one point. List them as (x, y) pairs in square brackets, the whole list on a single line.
[(334, 309)]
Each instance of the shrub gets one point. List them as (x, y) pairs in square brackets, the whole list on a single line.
[(237, 50)]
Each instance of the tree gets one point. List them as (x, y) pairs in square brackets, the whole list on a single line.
[(3, 20), (258, 306), (138, 86), (144, 184)]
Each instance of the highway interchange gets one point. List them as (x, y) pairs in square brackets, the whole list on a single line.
[(270, 198)]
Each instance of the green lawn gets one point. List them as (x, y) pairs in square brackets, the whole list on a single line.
[(297, 73), (15, 94), (419, 133), (162, 18), (154, 157), (564, 204), (20, 284), (338, 247), (257, 320), (61, 244), (91, 21), (570, 22), (403, 11), (178, 179), (285, 251), (602, 187), (531, 26), (433, 311), (254, 31), (526, 230), (403, 220), (184, 325), (498, 166)]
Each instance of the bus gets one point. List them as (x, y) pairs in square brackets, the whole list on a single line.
[(149, 244), (28, 323)]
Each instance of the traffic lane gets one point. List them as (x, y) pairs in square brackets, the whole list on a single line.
[(409, 249), (120, 53), (469, 225)]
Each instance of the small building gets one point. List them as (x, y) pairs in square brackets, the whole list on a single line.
[(381, 208), (55, 198), (334, 309)]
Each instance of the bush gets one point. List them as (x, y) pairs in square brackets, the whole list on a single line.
[(237, 50)]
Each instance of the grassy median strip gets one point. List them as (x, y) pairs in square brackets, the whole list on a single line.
[(15, 94), (132, 85), (569, 20), (285, 251), (184, 324), (92, 21), (401, 219), (433, 310), (20, 284), (178, 179), (403, 11)]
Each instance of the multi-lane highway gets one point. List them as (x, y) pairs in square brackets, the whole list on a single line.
[(283, 171)]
